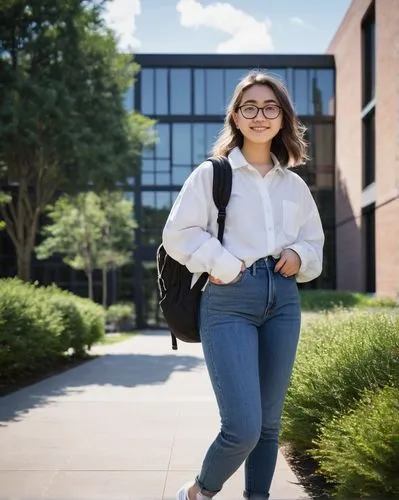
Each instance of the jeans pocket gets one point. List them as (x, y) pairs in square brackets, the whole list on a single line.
[(293, 277), (235, 281)]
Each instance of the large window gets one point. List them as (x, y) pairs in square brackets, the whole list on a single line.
[(180, 148), (147, 92), (369, 56), (180, 91), (155, 163), (368, 230), (368, 114), (369, 149), (313, 91), (161, 92), (208, 91), (155, 209)]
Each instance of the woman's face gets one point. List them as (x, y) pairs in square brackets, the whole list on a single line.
[(254, 125)]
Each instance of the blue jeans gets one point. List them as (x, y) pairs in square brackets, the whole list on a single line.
[(249, 333)]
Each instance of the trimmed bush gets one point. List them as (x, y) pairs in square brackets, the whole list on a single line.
[(30, 331), (359, 451), (339, 356), (121, 316), (323, 300), (92, 319), (38, 325)]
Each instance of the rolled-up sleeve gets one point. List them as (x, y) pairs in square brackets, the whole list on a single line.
[(185, 236), (310, 242)]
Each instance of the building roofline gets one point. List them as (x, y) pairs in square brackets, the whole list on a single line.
[(236, 60)]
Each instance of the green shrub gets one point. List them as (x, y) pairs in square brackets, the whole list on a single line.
[(122, 316), (92, 320), (38, 325), (74, 327), (94, 316), (318, 300), (359, 451), (30, 331), (339, 356)]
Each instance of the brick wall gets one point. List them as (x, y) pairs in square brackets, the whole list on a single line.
[(346, 46), (387, 147)]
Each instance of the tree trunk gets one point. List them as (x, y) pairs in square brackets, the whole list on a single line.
[(24, 263), (90, 283), (21, 217), (105, 285)]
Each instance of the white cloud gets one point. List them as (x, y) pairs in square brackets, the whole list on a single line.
[(297, 21), (120, 16), (247, 35)]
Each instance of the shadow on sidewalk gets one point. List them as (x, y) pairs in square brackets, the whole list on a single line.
[(121, 370)]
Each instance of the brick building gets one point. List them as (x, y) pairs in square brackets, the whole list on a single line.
[(366, 52)]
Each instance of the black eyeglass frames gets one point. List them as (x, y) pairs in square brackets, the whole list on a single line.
[(250, 111)]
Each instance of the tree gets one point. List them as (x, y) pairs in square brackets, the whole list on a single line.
[(62, 122), (117, 242), (75, 231), (91, 231)]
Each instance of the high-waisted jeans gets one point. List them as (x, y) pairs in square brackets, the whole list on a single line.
[(249, 332)]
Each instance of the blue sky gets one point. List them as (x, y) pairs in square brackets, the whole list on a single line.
[(231, 26)]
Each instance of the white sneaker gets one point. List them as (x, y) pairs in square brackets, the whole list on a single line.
[(182, 494)]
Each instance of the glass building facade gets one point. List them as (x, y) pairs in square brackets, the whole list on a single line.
[(187, 95)]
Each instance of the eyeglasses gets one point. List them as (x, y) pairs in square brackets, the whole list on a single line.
[(250, 111)]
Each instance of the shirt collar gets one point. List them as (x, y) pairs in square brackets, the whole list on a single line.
[(237, 160)]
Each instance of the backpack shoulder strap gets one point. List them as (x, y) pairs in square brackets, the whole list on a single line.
[(222, 183)]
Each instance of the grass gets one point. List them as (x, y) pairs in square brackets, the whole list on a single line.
[(114, 338), (319, 300)]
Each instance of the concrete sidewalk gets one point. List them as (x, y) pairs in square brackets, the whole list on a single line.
[(132, 424)]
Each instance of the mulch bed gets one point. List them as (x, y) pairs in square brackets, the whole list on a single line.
[(305, 468)]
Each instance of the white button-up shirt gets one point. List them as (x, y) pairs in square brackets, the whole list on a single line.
[(264, 216)]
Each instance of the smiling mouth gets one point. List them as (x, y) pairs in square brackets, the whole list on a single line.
[(259, 129)]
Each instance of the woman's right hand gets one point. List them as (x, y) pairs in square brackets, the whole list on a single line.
[(216, 281)]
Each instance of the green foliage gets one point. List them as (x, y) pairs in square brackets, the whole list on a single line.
[(30, 331), (38, 325), (339, 356), (62, 121), (74, 231), (122, 316), (324, 300), (115, 248), (359, 451), (94, 318), (91, 231)]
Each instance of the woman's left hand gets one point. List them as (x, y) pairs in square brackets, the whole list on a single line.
[(288, 264)]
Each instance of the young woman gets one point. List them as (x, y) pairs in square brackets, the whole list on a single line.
[(250, 311)]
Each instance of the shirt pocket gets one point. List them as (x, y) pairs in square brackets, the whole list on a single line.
[(290, 218)]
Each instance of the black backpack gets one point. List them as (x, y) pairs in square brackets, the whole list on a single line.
[(179, 302)]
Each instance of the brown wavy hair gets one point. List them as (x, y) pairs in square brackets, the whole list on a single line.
[(288, 145)]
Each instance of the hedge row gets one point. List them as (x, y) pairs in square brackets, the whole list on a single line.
[(343, 401), (324, 300), (38, 325)]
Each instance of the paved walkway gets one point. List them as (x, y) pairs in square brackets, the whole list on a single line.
[(132, 424)]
